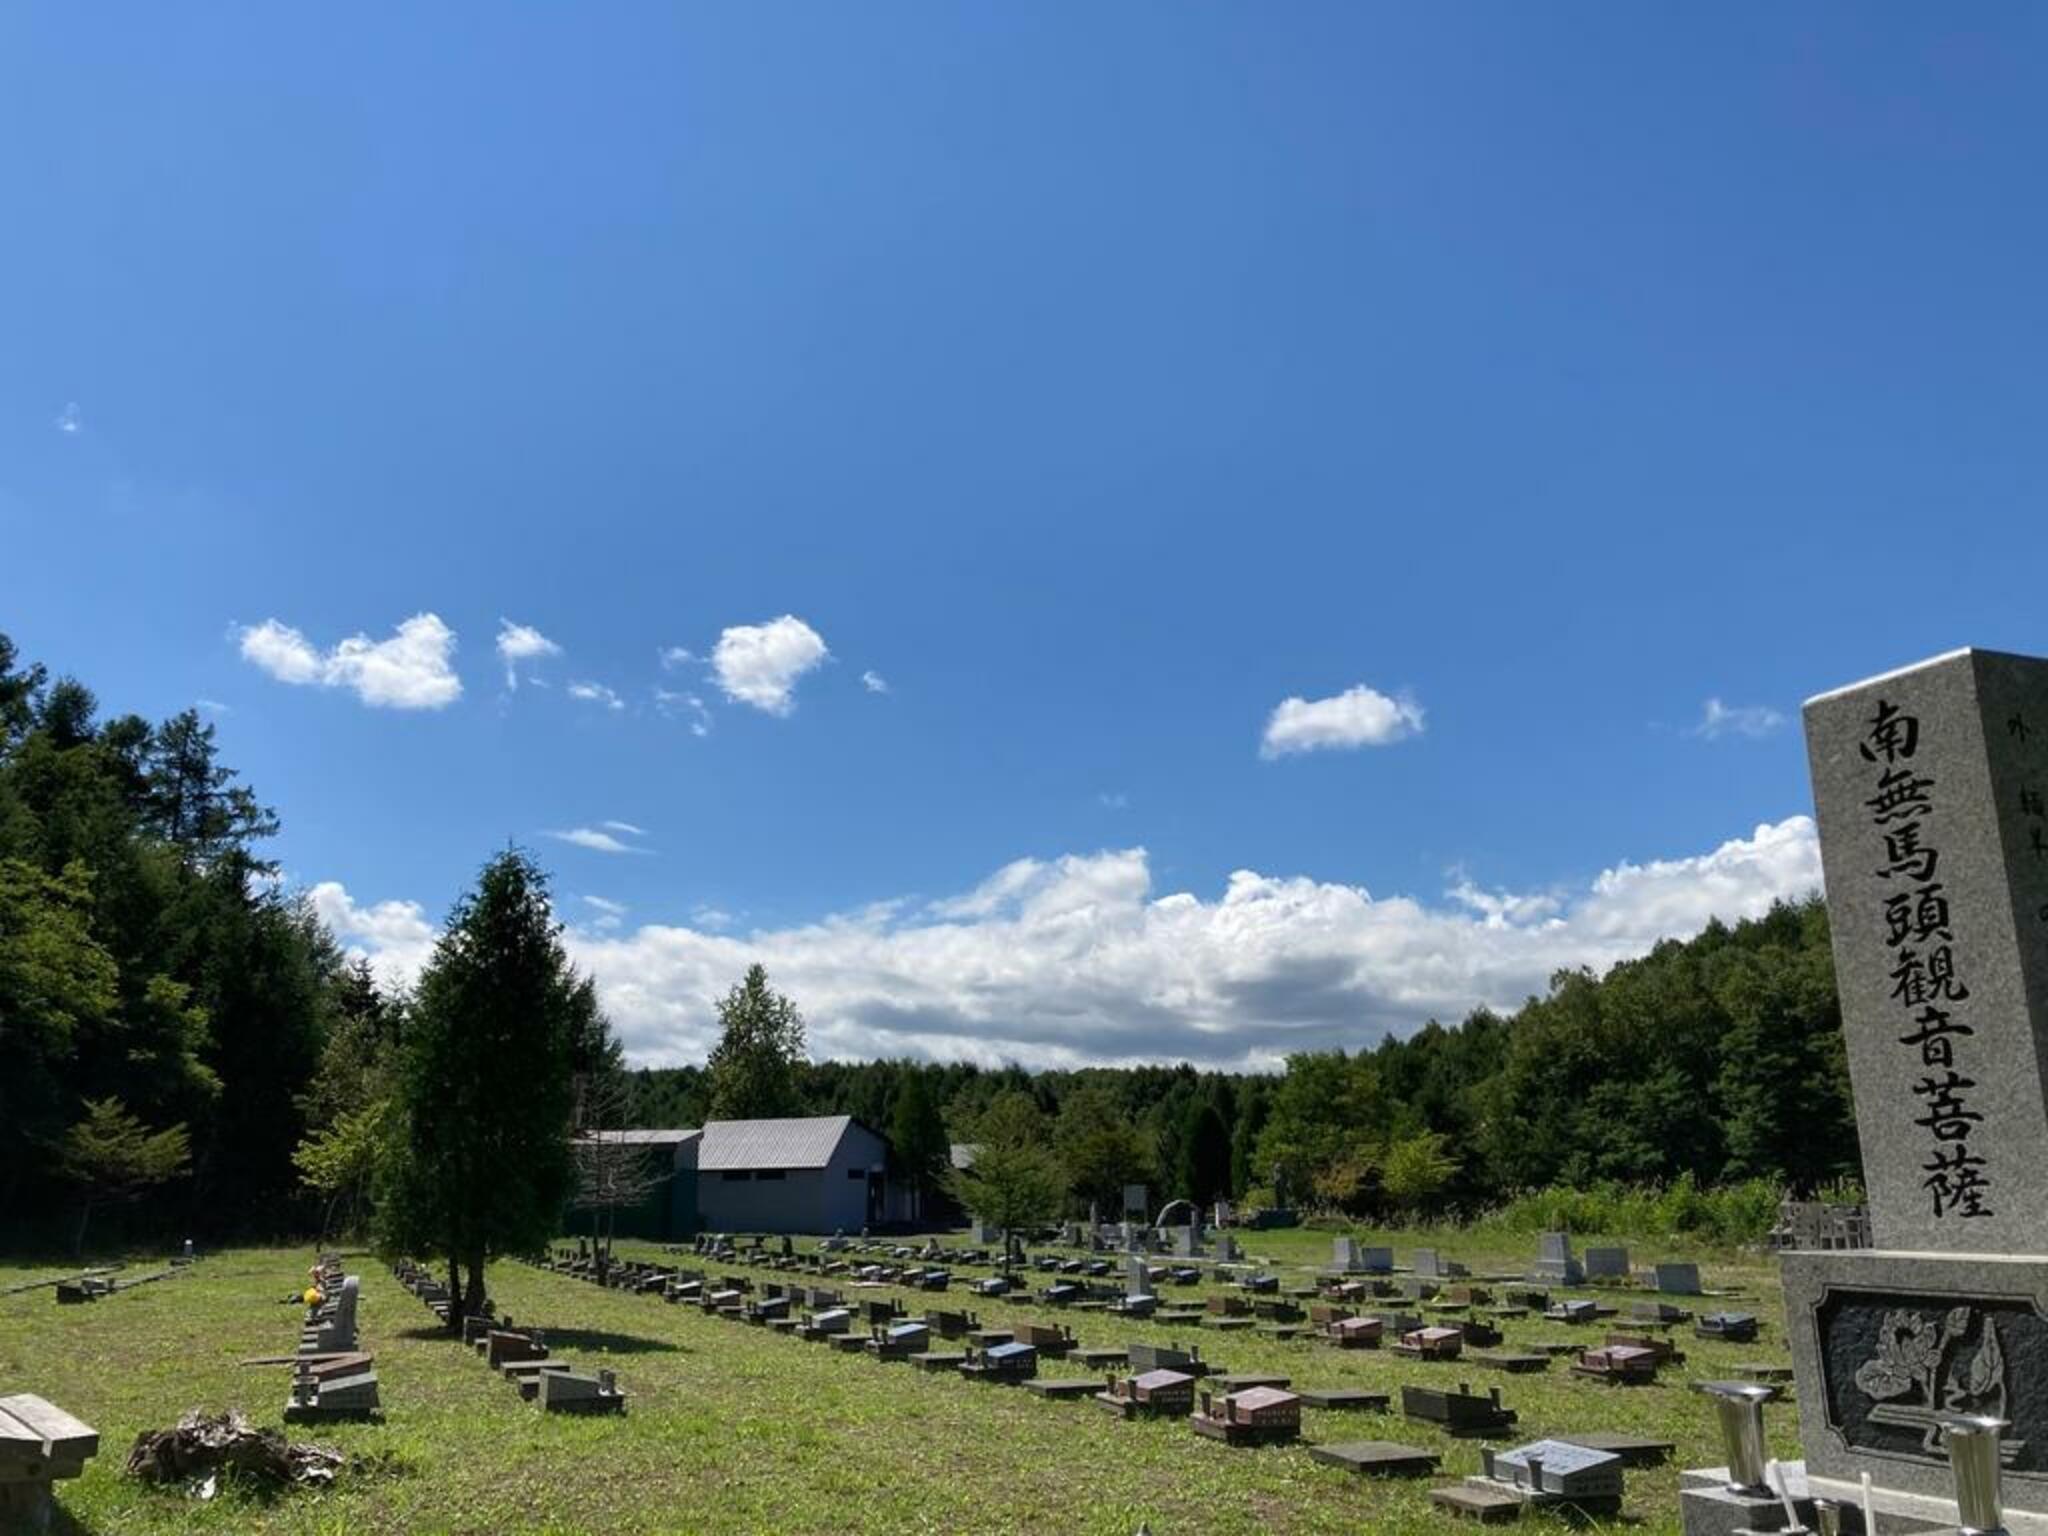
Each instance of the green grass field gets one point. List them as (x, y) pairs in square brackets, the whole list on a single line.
[(733, 1429)]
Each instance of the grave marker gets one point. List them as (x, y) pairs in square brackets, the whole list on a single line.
[(1931, 793)]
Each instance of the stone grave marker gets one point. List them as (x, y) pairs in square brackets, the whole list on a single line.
[(1460, 1412), (1158, 1394), (1931, 793), (1555, 1264), (1606, 1264), (1557, 1472), (1376, 1458), (1676, 1279)]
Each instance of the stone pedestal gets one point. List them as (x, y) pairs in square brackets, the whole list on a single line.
[(1883, 1342)]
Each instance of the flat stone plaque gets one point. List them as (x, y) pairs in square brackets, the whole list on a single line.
[(1354, 1398), (1376, 1458), (1075, 1387)]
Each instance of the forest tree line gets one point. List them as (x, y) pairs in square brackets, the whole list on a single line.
[(1717, 1059), (181, 1040)]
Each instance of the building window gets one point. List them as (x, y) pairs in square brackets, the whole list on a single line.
[(731, 1176), (857, 1173), (769, 1173)]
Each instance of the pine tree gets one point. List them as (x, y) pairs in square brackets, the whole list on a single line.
[(485, 1092)]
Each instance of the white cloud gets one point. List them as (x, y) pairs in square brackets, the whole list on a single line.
[(214, 706), (518, 643), (410, 670), (624, 826), (713, 918), (1076, 960), (609, 913), (677, 656), (69, 421), (394, 936), (1718, 720), (684, 706), (596, 693), (874, 682), (1113, 800), (596, 840), (1357, 717), (759, 664)]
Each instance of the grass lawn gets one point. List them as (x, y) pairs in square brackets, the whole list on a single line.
[(734, 1429)]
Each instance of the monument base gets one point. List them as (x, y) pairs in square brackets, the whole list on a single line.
[(1885, 1343), (1708, 1507)]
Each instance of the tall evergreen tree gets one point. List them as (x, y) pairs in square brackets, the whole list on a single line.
[(1205, 1154), (917, 1137), (485, 1092), (753, 1068)]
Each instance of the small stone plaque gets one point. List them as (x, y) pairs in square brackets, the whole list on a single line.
[(1376, 1458), (1355, 1399), (1066, 1388)]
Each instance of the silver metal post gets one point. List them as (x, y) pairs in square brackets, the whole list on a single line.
[(1739, 1405), (1973, 1445)]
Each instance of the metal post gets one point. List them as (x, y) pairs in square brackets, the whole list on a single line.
[(1739, 1405), (1973, 1449)]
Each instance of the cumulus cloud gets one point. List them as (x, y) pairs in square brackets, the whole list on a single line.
[(1357, 717), (413, 669), (874, 682), (1718, 720), (394, 936), (596, 693), (759, 664), (519, 643), (69, 420), (1078, 960)]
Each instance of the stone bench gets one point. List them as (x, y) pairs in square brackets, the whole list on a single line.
[(40, 1444)]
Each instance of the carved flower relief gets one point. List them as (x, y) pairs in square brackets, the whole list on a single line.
[(1911, 1355), (1908, 1354), (1980, 1388)]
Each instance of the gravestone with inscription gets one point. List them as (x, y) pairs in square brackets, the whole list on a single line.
[(1931, 790)]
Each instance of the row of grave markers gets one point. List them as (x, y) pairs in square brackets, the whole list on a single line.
[(1160, 1379), (520, 1355)]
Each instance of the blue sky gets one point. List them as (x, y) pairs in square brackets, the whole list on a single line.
[(1098, 378)]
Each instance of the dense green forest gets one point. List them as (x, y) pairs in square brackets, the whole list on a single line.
[(175, 1024)]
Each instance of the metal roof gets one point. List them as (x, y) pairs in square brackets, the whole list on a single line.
[(738, 1144), (644, 1138)]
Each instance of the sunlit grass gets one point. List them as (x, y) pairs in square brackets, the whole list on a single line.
[(734, 1429)]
